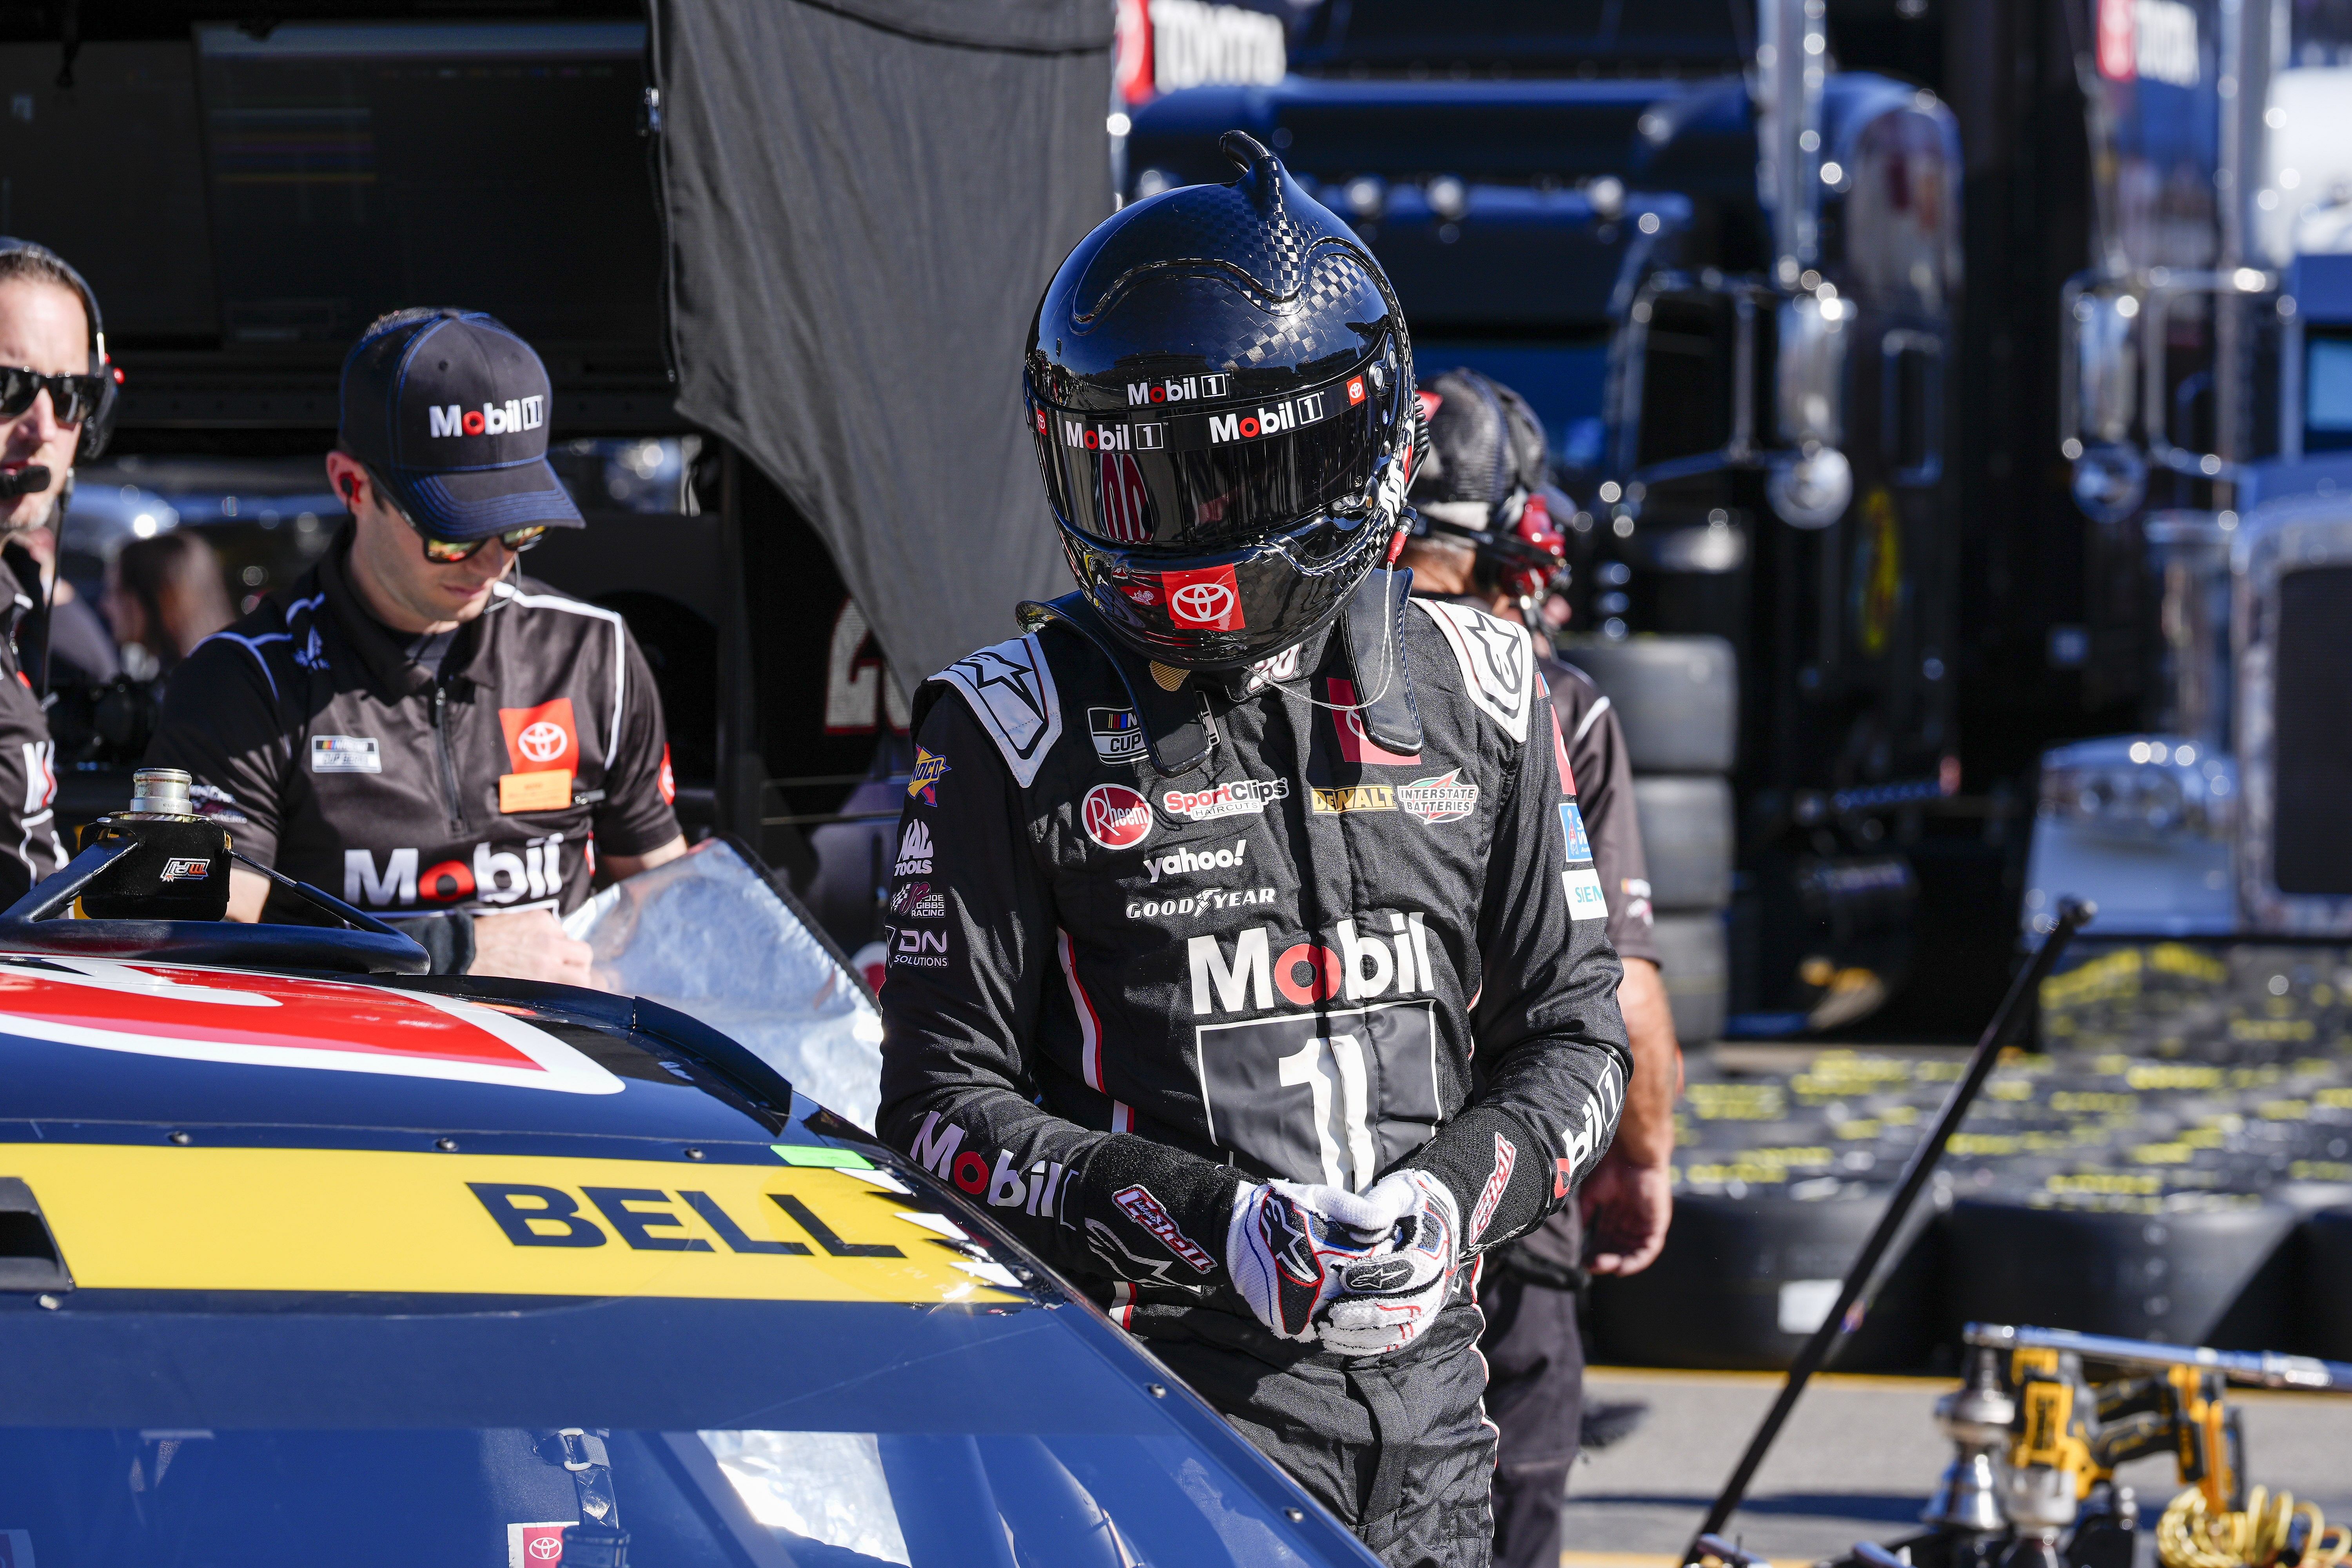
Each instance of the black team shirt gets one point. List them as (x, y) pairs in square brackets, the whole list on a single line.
[(482, 773)]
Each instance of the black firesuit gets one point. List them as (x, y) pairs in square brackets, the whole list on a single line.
[(1116, 997), (30, 846)]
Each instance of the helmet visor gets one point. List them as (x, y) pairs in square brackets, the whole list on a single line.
[(1190, 467)]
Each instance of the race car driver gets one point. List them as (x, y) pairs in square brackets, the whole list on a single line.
[(412, 724), (1486, 538), (1209, 886), (57, 405)]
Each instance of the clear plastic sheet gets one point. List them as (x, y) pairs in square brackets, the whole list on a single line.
[(706, 934)]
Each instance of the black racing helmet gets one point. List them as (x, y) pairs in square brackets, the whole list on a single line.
[(1484, 480), (1220, 383)]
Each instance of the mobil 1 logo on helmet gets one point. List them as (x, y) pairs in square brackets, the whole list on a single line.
[(1307, 409), (1096, 436), (1177, 389), (1319, 1092)]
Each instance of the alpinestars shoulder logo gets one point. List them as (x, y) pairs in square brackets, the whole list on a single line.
[(1011, 690), (914, 852)]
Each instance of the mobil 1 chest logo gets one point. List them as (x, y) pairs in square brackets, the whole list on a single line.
[(1343, 1081)]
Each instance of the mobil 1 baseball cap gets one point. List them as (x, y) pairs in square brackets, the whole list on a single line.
[(448, 410)]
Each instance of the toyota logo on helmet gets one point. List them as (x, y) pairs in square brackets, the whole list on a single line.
[(1201, 603), (1242, 360)]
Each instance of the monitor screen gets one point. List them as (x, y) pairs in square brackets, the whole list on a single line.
[(355, 168)]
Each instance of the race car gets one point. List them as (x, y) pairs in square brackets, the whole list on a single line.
[(303, 1257)]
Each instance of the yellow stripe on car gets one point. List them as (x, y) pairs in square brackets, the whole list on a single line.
[(133, 1218)]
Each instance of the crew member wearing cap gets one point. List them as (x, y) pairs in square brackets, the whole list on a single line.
[(412, 724)]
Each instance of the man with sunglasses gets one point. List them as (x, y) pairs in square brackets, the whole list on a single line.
[(55, 407), (412, 725)]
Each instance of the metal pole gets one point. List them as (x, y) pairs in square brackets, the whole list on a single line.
[(2073, 915), (2265, 1369)]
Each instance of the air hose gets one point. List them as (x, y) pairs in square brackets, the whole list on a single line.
[(2272, 1530)]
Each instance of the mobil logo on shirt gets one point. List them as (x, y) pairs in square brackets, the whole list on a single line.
[(496, 874), (1342, 1082)]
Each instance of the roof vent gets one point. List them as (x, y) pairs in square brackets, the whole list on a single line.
[(29, 1258)]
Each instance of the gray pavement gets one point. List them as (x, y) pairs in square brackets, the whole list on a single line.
[(1856, 1461)]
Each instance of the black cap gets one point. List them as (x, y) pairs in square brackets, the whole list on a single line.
[(448, 410)]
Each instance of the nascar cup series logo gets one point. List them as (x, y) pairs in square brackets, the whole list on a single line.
[(1115, 816), (1176, 389)]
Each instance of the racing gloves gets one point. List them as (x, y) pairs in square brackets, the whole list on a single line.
[(1286, 1240), (1389, 1299), (1366, 1272)]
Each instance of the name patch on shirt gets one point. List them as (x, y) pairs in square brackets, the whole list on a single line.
[(535, 791), (345, 754)]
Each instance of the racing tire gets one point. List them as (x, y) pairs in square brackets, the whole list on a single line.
[(1744, 1281), (1676, 698), (2190, 1276), (1694, 964), (1687, 840)]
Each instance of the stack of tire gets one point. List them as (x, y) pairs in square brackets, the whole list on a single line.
[(1779, 1179), (1677, 699), (2174, 1166)]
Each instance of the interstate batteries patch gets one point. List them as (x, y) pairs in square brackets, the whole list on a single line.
[(373, 1221)]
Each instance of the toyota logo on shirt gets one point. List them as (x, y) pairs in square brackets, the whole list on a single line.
[(542, 742), (1205, 600), (541, 738)]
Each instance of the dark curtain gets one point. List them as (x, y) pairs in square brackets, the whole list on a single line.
[(865, 200)]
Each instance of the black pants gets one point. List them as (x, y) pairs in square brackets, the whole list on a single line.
[(1397, 1447), (1535, 1395)]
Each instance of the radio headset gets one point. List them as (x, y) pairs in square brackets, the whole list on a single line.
[(95, 430)]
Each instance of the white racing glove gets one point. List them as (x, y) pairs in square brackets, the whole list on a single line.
[(1386, 1299), (1286, 1240)]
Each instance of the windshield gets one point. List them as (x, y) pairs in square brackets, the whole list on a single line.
[(281, 1430)]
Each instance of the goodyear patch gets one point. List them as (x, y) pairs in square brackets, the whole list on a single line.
[(131, 1219)]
